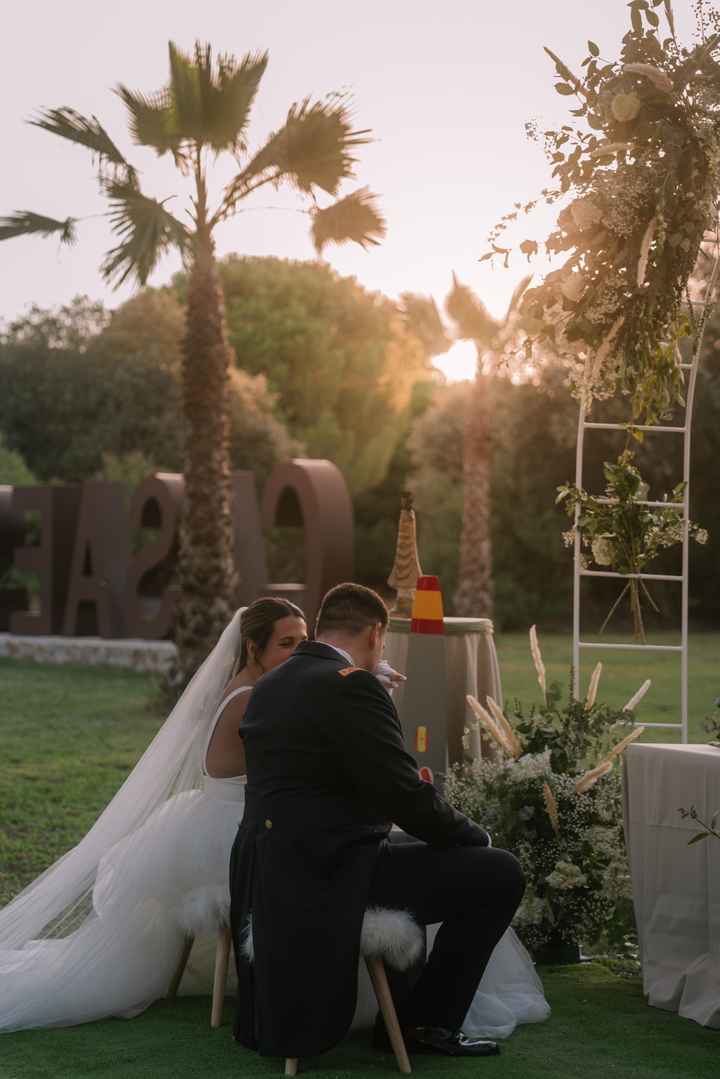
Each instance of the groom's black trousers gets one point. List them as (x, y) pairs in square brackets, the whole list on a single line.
[(474, 892)]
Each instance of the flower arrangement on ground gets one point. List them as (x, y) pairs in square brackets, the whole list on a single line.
[(553, 796), (622, 532)]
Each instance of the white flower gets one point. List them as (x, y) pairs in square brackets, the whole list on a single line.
[(603, 549), (529, 766), (660, 79), (702, 535), (643, 491), (625, 107), (568, 537), (573, 287), (566, 875), (585, 212)]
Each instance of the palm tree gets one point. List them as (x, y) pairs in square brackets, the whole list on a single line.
[(204, 111), (474, 595)]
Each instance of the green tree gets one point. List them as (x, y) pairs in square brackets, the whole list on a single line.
[(120, 394), (533, 444), (474, 595), (202, 112), (73, 325), (342, 360)]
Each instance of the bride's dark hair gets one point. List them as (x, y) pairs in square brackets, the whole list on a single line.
[(257, 623)]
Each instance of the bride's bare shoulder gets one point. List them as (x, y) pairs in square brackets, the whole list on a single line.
[(238, 682)]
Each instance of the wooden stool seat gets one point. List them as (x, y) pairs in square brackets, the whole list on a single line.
[(388, 936), (203, 912)]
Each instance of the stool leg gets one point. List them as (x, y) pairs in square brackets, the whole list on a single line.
[(222, 958), (291, 1066), (180, 970), (378, 977)]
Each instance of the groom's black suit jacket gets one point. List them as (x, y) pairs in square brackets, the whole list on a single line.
[(327, 776)]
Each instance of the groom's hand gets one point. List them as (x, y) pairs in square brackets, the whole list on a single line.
[(477, 837)]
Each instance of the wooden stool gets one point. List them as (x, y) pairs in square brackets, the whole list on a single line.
[(202, 912), (388, 936)]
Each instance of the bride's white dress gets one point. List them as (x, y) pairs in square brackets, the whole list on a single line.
[(132, 905)]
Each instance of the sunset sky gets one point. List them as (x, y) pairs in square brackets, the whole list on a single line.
[(445, 87)]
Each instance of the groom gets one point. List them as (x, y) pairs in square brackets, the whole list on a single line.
[(327, 777)]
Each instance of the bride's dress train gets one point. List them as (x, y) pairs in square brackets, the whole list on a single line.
[(101, 932), (125, 953)]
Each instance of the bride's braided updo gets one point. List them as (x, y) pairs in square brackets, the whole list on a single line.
[(257, 623)]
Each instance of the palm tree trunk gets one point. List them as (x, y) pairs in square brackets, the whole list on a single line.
[(474, 595), (205, 568)]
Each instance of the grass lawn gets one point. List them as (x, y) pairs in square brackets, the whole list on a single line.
[(600, 1027), (69, 736), (623, 673)]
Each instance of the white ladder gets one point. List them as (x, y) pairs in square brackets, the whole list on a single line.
[(578, 572)]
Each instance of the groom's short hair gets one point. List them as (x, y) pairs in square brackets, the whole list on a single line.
[(350, 608)]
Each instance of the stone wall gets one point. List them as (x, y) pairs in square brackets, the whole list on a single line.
[(136, 654)]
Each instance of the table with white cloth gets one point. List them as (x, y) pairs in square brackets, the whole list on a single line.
[(676, 887), (472, 667)]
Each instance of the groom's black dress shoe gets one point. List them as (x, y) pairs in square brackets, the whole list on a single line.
[(451, 1043), (438, 1040)]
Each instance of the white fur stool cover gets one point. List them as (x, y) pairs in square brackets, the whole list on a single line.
[(204, 911), (391, 935)]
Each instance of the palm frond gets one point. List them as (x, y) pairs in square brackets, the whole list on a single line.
[(473, 320), (228, 96), (517, 296), (152, 122), (146, 231), (27, 223), (355, 217), (84, 131), (314, 148), (423, 319), (185, 91)]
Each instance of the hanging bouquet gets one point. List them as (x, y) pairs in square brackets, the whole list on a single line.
[(638, 167), (554, 798), (622, 532)]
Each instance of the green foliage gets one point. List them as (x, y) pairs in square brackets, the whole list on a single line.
[(129, 468), (622, 532), (557, 804), (70, 326), (118, 391), (641, 161), (13, 470), (533, 440), (27, 223), (204, 109), (146, 231), (342, 361)]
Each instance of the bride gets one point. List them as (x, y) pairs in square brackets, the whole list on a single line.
[(102, 931)]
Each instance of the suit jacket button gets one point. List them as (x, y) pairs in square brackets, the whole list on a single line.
[(268, 823)]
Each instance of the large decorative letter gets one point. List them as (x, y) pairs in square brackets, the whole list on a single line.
[(94, 605), (12, 533), (248, 542), (313, 493), (151, 599), (57, 509)]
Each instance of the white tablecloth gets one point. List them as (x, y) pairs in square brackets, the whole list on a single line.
[(472, 667), (676, 888)]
